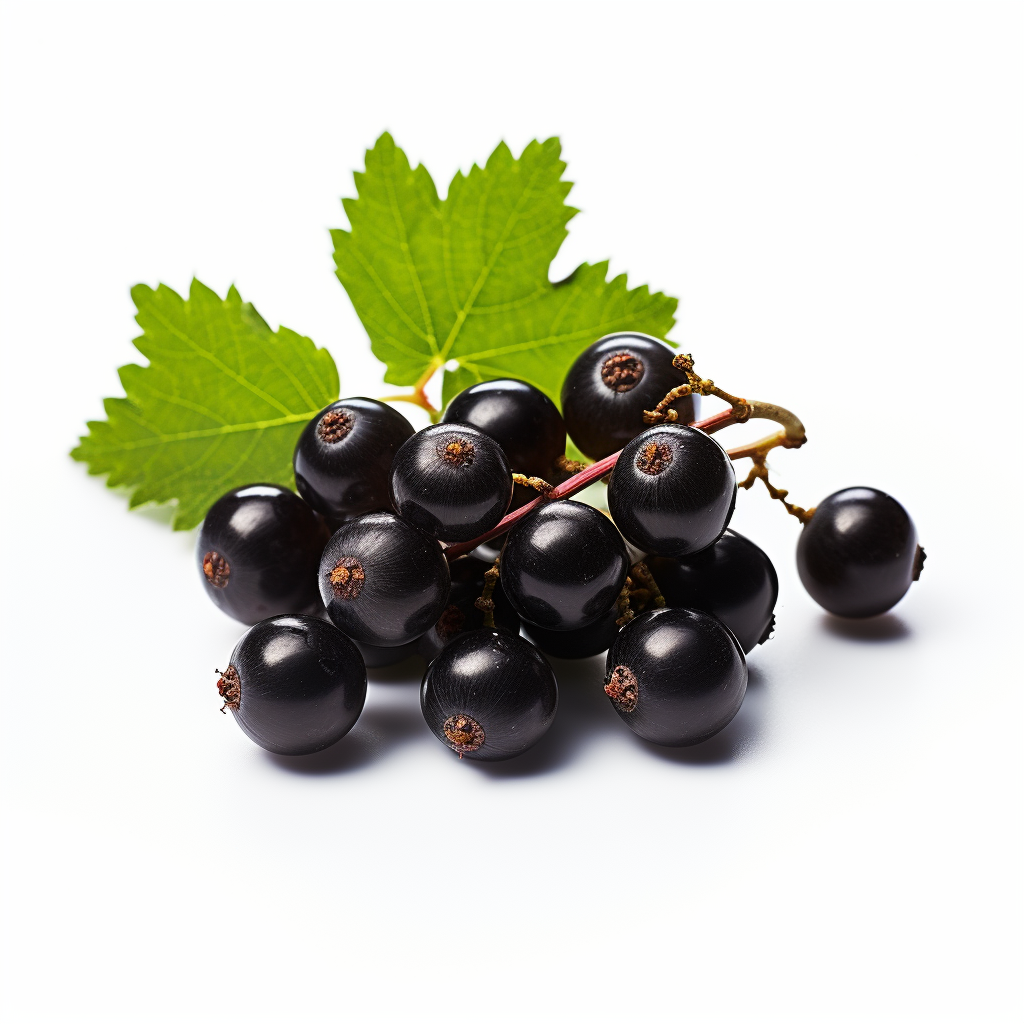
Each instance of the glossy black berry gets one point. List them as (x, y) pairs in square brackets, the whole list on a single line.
[(563, 565), (380, 657), (676, 676), (461, 614), (383, 581), (610, 386), (672, 491), (294, 684), (733, 579), (451, 481), (489, 695), (576, 643), (520, 417), (343, 457), (859, 554), (258, 553)]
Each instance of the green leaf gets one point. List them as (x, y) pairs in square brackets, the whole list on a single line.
[(220, 405), (466, 278)]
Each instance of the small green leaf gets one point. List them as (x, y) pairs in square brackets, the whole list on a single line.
[(220, 405), (464, 281)]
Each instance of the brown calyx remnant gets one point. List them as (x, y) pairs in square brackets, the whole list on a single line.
[(347, 578), (229, 686), (654, 458), (622, 372), (451, 622), (456, 451), (334, 425), (465, 734), (919, 557), (623, 689), (216, 569)]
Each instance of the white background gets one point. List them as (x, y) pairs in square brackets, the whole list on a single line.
[(834, 191)]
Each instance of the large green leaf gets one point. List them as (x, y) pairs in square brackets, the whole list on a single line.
[(463, 282), (220, 405)]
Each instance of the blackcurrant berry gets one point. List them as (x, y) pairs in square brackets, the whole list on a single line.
[(451, 481), (576, 643), (489, 695), (520, 417), (343, 457), (563, 565), (461, 614), (676, 676), (733, 579), (258, 552), (672, 491), (611, 384), (294, 684), (380, 657), (859, 554), (383, 581)]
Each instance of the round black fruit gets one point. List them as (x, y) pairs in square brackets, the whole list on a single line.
[(258, 552), (611, 385), (489, 695), (676, 676), (383, 581), (859, 554), (673, 491), (451, 481), (733, 579), (576, 643), (343, 457), (294, 684), (563, 565), (520, 417)]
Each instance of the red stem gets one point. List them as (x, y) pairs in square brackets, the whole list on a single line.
[(573, 485)]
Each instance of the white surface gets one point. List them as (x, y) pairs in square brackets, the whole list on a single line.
[(834, 192)]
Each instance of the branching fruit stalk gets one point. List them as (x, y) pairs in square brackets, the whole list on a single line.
[(419, 394)]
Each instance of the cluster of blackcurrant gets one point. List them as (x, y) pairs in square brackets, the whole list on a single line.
[(385, 553)]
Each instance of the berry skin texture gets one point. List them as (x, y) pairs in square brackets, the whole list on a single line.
[(520, 417), (295, 684), (489, 695), (676, 676), (576, 643), (673, 491), (734, 580), (451, 481), (258, 552), (859, 554), (563, 565), (382, 580), (611, 385), (343, 457)]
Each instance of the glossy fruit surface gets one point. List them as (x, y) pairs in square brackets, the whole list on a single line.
[(451, 481), (489, 695), (258, 552), (676, 676), (295, 684), (520, 417), (673, 491), (461, 614), (576, 643), (380, 657), (611, 384), (733, 579), (563, 565), (859, 554), (383, 581), (343, 457)]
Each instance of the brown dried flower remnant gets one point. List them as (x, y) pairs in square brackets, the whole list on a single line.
[(216, 569), (465, 734), (654, 458), (451, 622), (622, 372), (456, 451), (334, 425), (229, 686), (347, 578), (623, 689)]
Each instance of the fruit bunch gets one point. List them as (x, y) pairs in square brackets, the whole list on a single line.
[(388, 550)]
